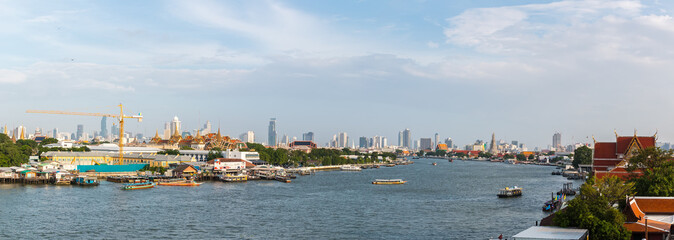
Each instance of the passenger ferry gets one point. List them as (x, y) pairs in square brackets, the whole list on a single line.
[(180, 183), (388, 181), (510, 192), (234, 178)]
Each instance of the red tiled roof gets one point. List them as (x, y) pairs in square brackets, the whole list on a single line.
[(653, 227), (624, 142), (605, 150), (656, 205)]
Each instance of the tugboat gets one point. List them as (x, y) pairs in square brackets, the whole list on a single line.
[(510, 192)]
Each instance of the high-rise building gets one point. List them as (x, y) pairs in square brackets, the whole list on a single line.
[(80, 132), (206, 129), (362, 143), (342, 140), (248, 137), (271, 137), (175, 126), (285, 140), (449, 142), (515, 143), (55, 133), (425, 143), (437, 140), (557, 141), (407, 138), (104, 127), (308, 136), (400, 138)]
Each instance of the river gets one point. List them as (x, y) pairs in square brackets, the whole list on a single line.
[(453, 200)]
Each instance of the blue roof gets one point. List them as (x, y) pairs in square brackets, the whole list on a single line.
[(111, 168)]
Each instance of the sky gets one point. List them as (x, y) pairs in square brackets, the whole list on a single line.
[(463, 69)]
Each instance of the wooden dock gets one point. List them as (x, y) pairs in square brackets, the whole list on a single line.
[(36, 180)]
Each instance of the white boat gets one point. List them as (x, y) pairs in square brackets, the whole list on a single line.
[(349, 168)]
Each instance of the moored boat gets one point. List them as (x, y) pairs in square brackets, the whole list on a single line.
[(135, 186), (350, 168), (435, 164), (388, 181), (510, 192), (85, 181), (234, 178), (184, 183)]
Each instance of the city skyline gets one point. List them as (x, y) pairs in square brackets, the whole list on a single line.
[(573, 67)]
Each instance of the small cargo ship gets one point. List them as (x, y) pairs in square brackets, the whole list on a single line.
[(135, 186), (510, 192), (388, 181)]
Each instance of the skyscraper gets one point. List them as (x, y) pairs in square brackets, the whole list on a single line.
[(400, 138), (362, 143), (206, 129), (248, 137), (449, 142), (407, 138), (437, 140), (342, 140), (80, 132), (425, 143), (557, 141), (271, 141), (104, 127), (309, 136), (55, 133), (175, 126)]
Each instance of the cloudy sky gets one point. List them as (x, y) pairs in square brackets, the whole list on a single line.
[(463, 69)]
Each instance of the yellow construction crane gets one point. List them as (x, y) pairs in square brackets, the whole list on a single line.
[(120, 117)]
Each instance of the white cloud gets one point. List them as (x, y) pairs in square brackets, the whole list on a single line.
[(432, 44), (11, 76)]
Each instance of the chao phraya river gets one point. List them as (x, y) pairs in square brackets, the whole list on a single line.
[(449, 201)]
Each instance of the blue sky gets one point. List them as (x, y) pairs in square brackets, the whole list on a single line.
[(463, 69)]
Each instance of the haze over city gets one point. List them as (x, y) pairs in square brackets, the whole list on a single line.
[(521, 69)]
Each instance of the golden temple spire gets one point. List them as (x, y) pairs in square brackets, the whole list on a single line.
[(156, 135), (218, 136), (23, 133)]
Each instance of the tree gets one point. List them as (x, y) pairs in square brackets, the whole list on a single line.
[(48, 141), (420, 153), (213, 154), (531, 157), (186, 148), (592, 210), (485, 154), (508, 156), (521, 157), (582, 155), (169, 152), (657, 170)]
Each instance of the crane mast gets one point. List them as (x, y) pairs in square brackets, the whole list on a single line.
[(119, 117)]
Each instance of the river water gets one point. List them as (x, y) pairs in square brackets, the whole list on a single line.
[(454, 200)]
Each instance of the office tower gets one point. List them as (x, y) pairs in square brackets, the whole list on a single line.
[(104, 127), (362, 143), (416, 144), (425, 143), (384, 142), (557, 141), (515, 143), (206, 129), (309, 136), (400, 139), (271, 141), (343, 140), (248, 137), (449, 143), (55, 133), (167, 130), (80, 132), (437, 140), (175, 126), (407, 138)]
